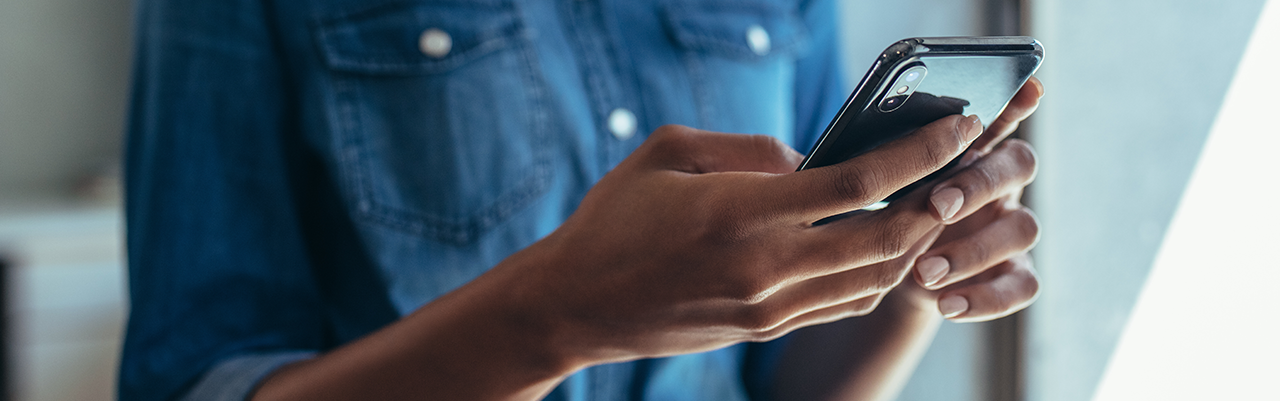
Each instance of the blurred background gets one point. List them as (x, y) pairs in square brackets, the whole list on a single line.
[(1156, 196)]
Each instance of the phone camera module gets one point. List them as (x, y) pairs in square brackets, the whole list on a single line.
[(903, 88)]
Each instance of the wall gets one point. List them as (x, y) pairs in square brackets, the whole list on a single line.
[(67, 301), (63, 81), (1132, 89)]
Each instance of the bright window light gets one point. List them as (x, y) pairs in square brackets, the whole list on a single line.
[(1207, 323)]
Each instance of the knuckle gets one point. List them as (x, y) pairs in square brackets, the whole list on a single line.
[(1003, 301), (865, 306), (1024, 288), (1027, 226), (774, 155), (853, 183), (766, 144), (1000, 299), (1026, 275), (671, 137), (975, 251), (1018, 298), (1024, 156), (748, 291), (978, 180), (1031, 287), (757, 319), (886, 278), (776, 332), (938, 153), (891, 241), (770, 335), (668, 130), (861, 310), (1023, 261)]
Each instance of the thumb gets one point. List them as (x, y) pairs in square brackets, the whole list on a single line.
[(692, 150)]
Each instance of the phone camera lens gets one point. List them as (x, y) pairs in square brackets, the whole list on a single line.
[(892, 103), (911, 76)]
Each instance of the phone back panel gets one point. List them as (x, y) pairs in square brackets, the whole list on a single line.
[(977, 75)]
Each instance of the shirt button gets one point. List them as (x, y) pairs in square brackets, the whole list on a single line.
[(622, 123), (758, 40), (435, 43)]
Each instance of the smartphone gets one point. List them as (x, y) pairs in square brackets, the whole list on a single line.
[(917, 81)]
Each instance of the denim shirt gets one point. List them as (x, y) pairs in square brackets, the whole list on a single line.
[(302, 173)]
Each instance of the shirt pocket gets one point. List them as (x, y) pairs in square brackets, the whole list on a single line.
[(437, 115), (741, 59)]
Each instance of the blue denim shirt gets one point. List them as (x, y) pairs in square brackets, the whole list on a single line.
[(301, 173)]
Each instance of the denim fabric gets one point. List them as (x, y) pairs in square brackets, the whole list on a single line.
[(300, 173)]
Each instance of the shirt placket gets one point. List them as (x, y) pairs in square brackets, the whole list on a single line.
[(615, 105), (616, 116)]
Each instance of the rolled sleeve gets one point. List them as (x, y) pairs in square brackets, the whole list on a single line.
[(234, 379)]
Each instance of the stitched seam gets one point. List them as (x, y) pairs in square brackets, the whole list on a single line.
[(398, 63), (701, 94), (595, 88)]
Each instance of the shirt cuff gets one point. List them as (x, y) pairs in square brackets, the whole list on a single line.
[(233, 379)]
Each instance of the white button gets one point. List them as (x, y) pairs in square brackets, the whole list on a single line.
[(758, 40), (622, 123), (435, 43)]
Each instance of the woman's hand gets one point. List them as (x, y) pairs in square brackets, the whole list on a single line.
[(701, 240), (979, 268)]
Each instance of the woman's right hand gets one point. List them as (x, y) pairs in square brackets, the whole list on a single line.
[(700, 240)]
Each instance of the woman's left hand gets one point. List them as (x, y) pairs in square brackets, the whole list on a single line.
[(978, 269)]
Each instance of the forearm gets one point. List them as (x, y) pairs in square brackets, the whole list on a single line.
[(473, 343), (864, 358)]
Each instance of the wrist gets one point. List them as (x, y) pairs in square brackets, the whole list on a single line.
[(518, 336), (912, 302), (523, 303), (540, 339), (491, 338)]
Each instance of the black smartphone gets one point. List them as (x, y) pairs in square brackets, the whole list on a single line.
[(917, 81)]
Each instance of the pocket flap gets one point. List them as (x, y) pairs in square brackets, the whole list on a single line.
[(387, 39), (737, 29)]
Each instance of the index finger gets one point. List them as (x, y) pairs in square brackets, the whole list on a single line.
[(1023, 104), (861, 181)]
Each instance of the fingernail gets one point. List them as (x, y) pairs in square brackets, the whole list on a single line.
[(932, 269), (947, 202), (970, 127), (953, 306)]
